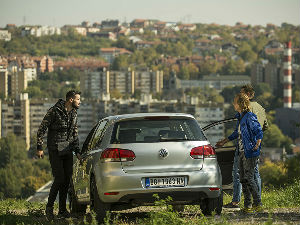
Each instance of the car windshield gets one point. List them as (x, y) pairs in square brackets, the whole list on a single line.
[(157, 130)]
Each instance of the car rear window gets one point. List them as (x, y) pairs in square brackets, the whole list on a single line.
[(157, 130)]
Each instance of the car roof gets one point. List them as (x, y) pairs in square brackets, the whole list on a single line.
[(141, 115)]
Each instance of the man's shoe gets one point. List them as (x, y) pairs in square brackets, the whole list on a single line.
[(247, 210), (258, 209), (231, 205), (49, 213), (63, 215)]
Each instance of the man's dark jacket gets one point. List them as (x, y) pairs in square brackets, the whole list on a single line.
[(62, 126)]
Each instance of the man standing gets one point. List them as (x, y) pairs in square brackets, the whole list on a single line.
[(259, 111), (61, 122)]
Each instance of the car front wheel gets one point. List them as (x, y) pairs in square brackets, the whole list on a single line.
[(99, 207), (75, 206)]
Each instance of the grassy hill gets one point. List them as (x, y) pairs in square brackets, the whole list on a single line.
[(281, 206)]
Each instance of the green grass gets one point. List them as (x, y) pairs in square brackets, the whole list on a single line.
[(285, 197), (21, 212)]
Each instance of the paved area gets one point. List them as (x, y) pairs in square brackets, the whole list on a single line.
[(41, 195)]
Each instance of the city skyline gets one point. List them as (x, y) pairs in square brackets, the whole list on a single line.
[(253, 12)]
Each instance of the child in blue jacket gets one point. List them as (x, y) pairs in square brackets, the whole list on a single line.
[(249, 134)]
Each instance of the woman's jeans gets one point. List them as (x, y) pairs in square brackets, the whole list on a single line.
[(237, 187)]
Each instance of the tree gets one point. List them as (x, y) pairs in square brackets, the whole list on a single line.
[(184, 73), (261, 88), (120, 62), (209, 67), (274, 137), (20, 176), (296, 94), (228, 93), (234, 67), (115, 93), (273, 174), (293, 169), (137, 94), (246, 52)]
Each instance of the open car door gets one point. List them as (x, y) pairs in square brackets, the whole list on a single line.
[(225, 155)]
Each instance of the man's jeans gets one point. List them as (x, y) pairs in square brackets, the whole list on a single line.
[(237, 187)]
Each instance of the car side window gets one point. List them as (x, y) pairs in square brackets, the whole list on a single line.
[(87, 143), (98, 134)]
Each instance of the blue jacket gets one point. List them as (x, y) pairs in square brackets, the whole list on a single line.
[(251, 131)]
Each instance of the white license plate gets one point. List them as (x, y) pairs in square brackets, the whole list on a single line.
[(165, 182)]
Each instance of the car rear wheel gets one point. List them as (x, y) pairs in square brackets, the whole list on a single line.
[(210, 205), (99, 207), (74, 205)]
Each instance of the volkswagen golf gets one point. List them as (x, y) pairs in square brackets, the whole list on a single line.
[(126, 159)]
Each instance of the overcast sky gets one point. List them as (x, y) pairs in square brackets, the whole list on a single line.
[(61, 12)]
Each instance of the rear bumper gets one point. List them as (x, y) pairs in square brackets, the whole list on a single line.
[(131, 187), (178, 197)]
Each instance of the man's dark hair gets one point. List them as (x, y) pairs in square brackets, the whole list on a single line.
[(71, 94), (248, 90)]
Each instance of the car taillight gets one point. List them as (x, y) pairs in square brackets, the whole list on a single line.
[(206, 151), (117, 155)]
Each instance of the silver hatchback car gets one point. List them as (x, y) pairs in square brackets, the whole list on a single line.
[(126, 159)]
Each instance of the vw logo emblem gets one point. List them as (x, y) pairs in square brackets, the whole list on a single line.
[(163, 153)]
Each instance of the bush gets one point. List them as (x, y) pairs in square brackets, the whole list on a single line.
[(273, 174)]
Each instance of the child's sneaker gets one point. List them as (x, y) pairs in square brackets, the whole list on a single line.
[(258, 209), (246, 210)]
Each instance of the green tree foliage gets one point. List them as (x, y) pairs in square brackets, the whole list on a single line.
[(273, 174), (54, 84), (293, 168), (280, 173), (246, 52), (229, 92), (120, 62), (124, 42), (20, 175), (115, 93), (55, 45), (273, 137), (296, 94), (209, 67), (233, 67)]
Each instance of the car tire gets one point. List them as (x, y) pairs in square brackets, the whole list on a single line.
[(74, 205), (99, 207), (210, 205)]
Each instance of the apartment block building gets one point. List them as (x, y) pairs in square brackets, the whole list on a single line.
[(268, 73), (287, 119), (3, 83), (17, 71), (206, 114), (95, 83), (219, 82), (15, 116), (273, 75), (23, 117)]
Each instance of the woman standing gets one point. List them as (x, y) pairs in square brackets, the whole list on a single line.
[(249, 134)]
